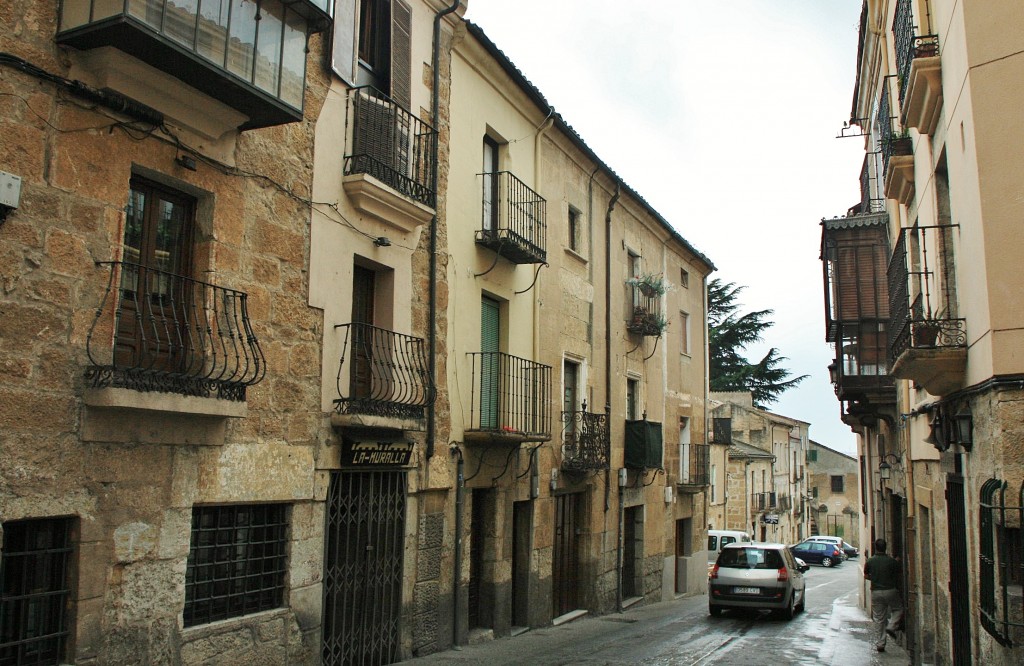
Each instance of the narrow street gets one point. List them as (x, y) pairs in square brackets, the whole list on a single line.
[(833, 630)]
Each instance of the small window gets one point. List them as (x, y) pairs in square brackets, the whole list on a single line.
[(722, 431), (684, 342), (574, 230), (684, 278), (712, 542), (34, 591), (237, 561), (814, 491), (632, 397), (837, 485)]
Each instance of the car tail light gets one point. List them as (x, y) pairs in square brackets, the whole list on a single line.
[(714, 572), (783, 574)]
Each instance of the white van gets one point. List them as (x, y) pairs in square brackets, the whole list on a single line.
[(719, 538)]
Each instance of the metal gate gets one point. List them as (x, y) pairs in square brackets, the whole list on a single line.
[(958, 586), (566, 555), (365, 525)]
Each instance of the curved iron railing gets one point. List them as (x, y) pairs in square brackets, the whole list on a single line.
[(586, 441), (388, 374), (157, 331), (392, 145), (511, 396)]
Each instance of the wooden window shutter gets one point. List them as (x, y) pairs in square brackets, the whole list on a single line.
[(343, 41), (401, 53)]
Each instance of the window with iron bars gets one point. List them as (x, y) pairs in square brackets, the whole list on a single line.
[(1001, 564), (237, 561), (34, 591)]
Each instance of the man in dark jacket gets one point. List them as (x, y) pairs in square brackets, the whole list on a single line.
[(886, 606)]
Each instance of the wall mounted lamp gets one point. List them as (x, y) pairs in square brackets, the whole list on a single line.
[(963, 426), (889, 462), (833, 373)]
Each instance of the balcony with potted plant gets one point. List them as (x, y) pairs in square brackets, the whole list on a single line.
[(928, 343), (646, 318)]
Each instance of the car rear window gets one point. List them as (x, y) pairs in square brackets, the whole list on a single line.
[(750, 558)]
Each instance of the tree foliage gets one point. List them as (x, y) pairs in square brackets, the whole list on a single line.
[(729, 333)]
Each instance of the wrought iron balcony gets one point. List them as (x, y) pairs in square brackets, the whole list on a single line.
[(156, 331), (383, 379), (872, 199), (249, 55), (696, 465), (511, 399), (908, 45), (646, 318), (388, 143), (585, 441), (928, 344), (514, 223), (763, 502)]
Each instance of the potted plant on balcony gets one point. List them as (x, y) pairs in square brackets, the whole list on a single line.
[(926, 333), (646, 322), (650, 284), (899, 144)]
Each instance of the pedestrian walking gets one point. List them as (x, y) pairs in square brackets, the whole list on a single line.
[(886, 606)]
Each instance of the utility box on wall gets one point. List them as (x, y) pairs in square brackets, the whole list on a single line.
[(643, 445)]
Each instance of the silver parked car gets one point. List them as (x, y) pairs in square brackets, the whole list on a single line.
[(757, 575)]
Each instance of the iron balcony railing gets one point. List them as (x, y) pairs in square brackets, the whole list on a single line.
[(157, 331), (871, 198), (763, 501), (647, 318), (586, 441), (392, 145), (511, 396), (909, 45), (696, 464), (514, 221), (917, 316), (382, 373)]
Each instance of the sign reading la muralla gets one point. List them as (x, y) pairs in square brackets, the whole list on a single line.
[(376, 454)]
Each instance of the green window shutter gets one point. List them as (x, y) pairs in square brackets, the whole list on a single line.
[(812, 455)]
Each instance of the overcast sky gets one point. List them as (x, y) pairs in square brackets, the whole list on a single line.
[(723, 115)]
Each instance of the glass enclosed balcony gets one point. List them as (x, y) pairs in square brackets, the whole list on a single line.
[(249, 55)]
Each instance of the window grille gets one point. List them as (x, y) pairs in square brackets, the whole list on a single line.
[(236, 562), (837, 485), (34, 592), (1000, 561)]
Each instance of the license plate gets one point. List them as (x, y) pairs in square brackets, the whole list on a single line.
[(746, 590)]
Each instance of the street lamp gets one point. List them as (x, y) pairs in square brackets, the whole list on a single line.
[(885, 467), (963, 425)]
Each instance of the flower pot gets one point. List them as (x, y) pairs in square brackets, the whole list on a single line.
[(925, 335)]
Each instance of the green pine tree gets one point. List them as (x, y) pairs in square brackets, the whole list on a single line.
[(729, 333)]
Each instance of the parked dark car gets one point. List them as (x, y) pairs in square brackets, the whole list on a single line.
[(818, 552)]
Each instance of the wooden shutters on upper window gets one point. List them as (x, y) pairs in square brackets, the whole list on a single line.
[(373, 46), (490, 176)]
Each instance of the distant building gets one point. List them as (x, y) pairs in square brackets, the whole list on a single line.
[(834, 483), (768, 451)]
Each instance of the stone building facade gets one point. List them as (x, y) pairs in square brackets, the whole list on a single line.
[(764, 473), (923, 312), (834, 489), (257, 342)]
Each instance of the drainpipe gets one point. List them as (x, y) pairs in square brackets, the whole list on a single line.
[(459, 485), (435, 103), (608, 376), (537, 184), (707, 392)]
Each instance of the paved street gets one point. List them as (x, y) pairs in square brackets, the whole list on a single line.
[(831, 631)]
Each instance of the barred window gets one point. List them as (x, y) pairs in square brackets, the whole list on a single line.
[(1000, 559), (236, 562), (837, 485), (34, 591)]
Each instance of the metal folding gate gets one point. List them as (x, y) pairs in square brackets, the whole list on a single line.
[(566, 555), (365, 525), (958, 585)]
